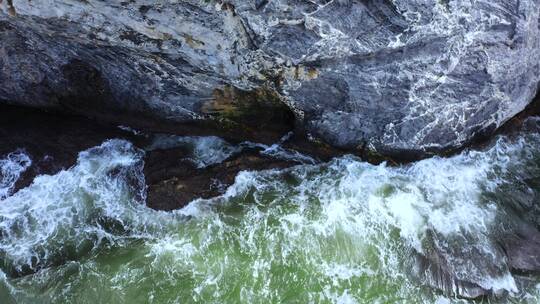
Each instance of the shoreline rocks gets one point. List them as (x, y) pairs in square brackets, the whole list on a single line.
[(399, 79), (173, 182), (174, 179), (53, 141)]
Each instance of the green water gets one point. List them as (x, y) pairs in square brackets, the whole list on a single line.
[(342, 232)]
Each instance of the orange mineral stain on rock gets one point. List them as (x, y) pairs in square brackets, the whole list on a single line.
[(192, 42), (301, 73)]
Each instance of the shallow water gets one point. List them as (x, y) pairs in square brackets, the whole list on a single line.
[(340, 232)]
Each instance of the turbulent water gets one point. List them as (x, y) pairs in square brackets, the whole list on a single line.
[(340, 232), (206, 151), (11, 168)]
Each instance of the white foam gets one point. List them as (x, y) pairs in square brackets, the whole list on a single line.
[(130, 130), (96, 201), (11, 168), (332, 231), (444, 195), (205, 150), (277, 151), (210, 150)]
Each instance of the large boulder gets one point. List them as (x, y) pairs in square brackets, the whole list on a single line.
[(402, 78)]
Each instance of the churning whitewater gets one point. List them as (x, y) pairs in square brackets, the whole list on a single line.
[(11, 168), (339, 232)]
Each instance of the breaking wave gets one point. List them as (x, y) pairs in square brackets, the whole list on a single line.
[(11, 168), (340, 232)]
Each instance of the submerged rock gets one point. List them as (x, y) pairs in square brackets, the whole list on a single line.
[(399, 78), (459, 268), (51, 141), (434, 272), (177, 170), (173, 181)]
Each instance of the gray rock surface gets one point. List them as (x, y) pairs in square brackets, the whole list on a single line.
[(400, 78)]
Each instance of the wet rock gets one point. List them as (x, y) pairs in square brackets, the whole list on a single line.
[(173, 181), (525, 121), (434, 272), (51, 140), (394, 78), (464, 268), (522, 248), (463, 265), (472, 266)]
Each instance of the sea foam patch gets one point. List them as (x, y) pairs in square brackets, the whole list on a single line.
[(11, 168), (60, 217)]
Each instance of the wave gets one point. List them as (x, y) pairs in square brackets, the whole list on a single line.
[(11, 168), (339, 232)]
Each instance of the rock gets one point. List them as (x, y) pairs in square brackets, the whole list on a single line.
[(522, 248), (402, 78), (526, 121), (434, 271), (51, 140), (159, 92), (467, 268), (174, 182), (505, 257)]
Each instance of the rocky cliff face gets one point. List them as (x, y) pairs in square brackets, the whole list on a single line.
[(395, 77)]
